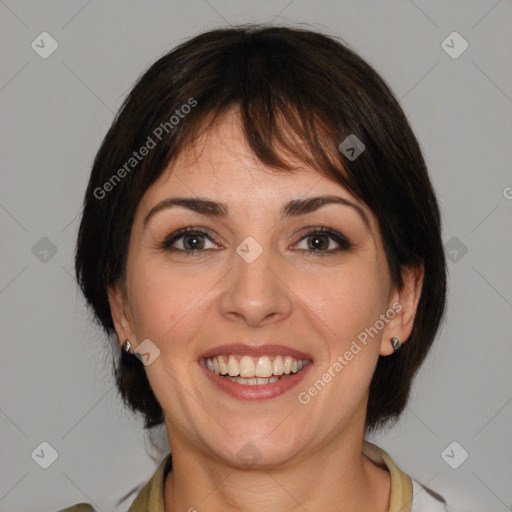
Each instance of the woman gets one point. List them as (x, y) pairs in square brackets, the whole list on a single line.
[(261, 234)]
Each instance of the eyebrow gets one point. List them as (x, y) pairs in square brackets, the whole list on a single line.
[(293, 208)]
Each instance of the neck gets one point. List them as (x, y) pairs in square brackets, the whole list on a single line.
[(338, 475)]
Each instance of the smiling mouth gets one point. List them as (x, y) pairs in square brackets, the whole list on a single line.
[(255, 371)]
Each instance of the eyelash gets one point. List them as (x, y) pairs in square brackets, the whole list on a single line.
[(341, 240)]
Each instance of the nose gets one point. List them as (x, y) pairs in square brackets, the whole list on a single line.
[(255, 291)]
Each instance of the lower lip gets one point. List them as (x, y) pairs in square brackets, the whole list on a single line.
[(258, 391)]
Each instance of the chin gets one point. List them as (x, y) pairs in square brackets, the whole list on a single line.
[(256, 448)]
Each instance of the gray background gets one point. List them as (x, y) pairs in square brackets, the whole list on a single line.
[(55, 374)]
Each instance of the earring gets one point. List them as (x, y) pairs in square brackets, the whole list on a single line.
[(126, 347), (396, 344)]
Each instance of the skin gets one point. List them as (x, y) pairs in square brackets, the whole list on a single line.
[(310, 455)]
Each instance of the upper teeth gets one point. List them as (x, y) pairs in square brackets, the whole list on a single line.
[(249, 366)]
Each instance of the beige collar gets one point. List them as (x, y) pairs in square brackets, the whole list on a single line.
[(151, 497)]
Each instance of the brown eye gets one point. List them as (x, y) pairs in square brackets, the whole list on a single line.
[(319, 241), (190, 240)]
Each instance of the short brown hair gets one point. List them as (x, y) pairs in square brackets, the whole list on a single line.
[(302, 93)]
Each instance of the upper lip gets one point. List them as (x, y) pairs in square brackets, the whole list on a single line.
[(255, 351)]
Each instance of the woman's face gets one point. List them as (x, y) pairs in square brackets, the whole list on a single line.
[(258, 289)]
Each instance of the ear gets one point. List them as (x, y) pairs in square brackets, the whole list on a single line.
[(121, 314), (404, 303)]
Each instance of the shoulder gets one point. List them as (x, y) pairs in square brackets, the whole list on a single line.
[(79, 507), (407, 494)]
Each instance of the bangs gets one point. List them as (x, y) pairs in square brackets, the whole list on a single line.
[(291, 107), (278, 133)]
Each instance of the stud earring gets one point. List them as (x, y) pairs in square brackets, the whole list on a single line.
[(396, 344), (126, 347)]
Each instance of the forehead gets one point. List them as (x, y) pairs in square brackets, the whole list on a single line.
[(221, 164)]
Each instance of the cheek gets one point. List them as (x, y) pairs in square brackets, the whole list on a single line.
[(344, 304), (347, 301), (167, 304)]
